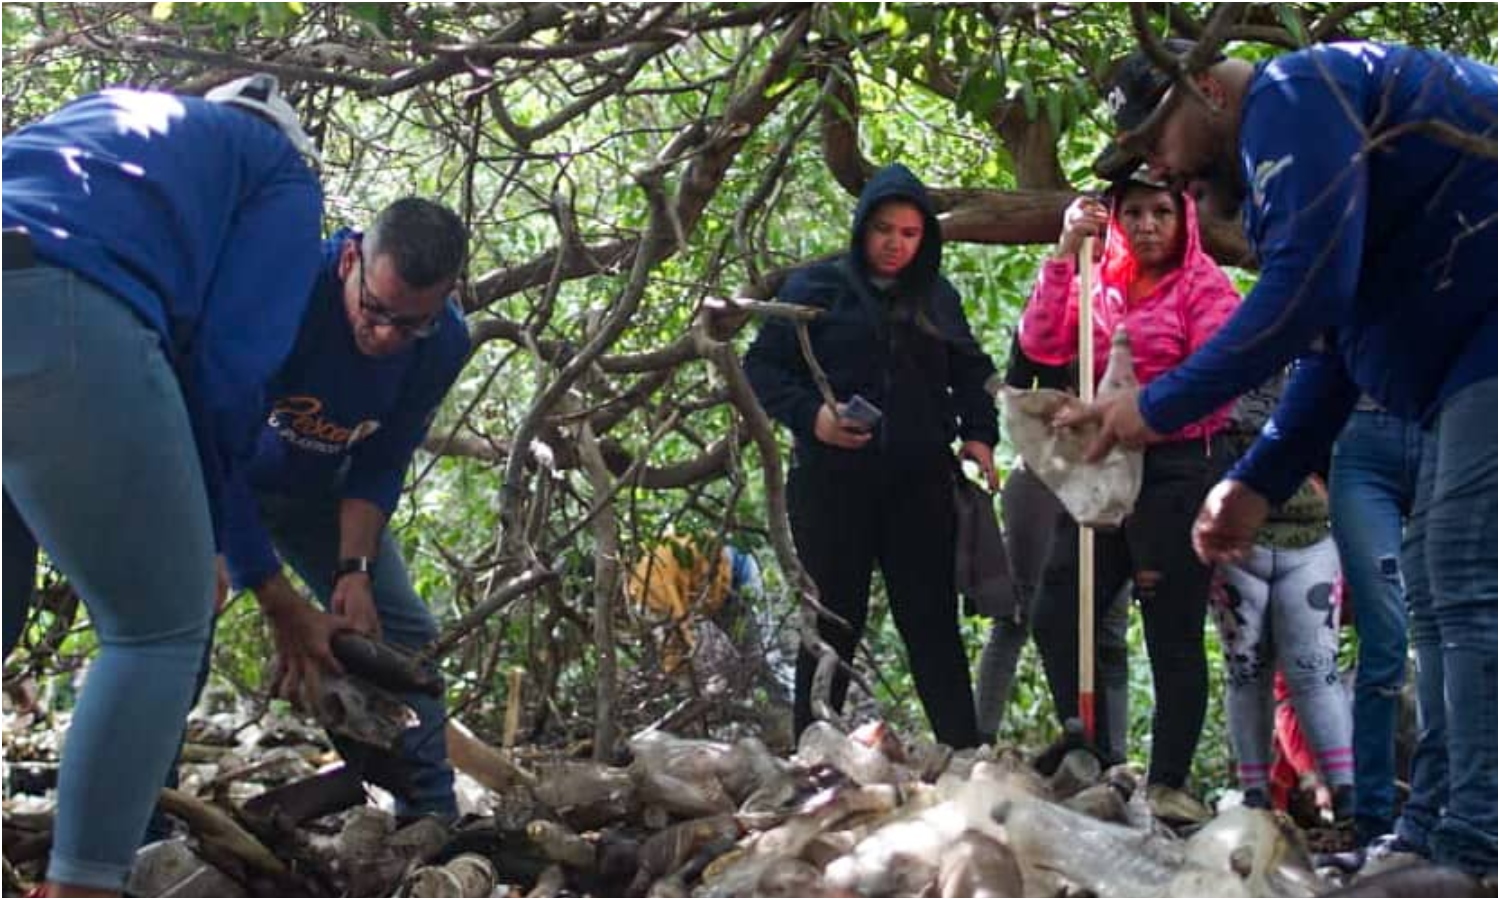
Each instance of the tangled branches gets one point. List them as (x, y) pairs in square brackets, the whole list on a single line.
[(618, 164)]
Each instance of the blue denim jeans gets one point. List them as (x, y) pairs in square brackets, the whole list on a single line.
[(305, 531), (1449, 559), (100, 466), (1371, 491)]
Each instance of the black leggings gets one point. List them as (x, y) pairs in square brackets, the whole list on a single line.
[(871, 509), (1154, 549)]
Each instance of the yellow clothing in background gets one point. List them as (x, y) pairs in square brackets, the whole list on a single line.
[(678, 579)]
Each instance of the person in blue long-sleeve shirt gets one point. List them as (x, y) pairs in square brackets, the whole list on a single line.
[(379, 347), (158, 254), (1369, 178)]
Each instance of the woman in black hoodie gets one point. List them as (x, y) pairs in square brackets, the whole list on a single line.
[(892, 332)]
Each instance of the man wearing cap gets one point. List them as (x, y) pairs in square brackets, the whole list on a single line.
[(1370, 178), (381, 343), (157, 259)]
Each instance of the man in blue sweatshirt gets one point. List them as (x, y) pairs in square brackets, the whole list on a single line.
[(381, 343), (158, 254), (1370, 177)]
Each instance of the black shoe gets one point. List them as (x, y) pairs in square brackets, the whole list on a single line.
[(1256, 798), (1071, 739)]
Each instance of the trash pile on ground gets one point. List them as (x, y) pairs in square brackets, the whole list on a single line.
[(266, 810)]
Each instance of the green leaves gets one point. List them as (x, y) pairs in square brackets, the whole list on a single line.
[(377, 16), (229, 20), (1291, 20), (278, 18), (1028, 99), (982, 88)]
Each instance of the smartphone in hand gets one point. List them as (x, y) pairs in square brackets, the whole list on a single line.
[(859, 414)]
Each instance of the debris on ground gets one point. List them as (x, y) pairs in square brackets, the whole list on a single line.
[(269, 811)]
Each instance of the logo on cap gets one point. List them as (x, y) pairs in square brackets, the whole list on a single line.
[(1116, 100)]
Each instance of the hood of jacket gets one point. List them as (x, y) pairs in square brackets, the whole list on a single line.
[(896, 182)]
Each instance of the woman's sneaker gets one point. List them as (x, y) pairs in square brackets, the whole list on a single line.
[(1176, 807)]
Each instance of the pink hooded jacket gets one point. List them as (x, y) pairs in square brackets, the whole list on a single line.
[(1165, 327)]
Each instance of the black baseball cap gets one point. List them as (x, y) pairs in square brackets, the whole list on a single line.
[(1136, 88)]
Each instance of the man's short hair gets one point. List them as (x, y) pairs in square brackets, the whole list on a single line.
[(426, 241)]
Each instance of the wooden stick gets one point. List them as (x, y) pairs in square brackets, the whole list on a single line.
[(492, 768), (217, 829), (512, 708), (820, 378), (1086, 534)]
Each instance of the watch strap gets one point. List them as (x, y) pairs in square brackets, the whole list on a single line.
[(355, 564)]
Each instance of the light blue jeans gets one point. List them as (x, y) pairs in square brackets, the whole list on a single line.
[(1449, 560), (1371, 491), (305, 531), (101, 467)]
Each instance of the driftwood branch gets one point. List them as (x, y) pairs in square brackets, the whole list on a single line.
[(607, 582)]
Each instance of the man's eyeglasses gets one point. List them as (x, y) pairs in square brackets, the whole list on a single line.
[(377, 313)]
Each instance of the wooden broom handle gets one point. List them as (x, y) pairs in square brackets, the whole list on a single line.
[(1086, 534)]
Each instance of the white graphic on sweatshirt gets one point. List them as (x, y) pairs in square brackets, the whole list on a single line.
[(1264, 172)]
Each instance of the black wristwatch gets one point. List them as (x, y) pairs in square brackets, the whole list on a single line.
[(353, 564)]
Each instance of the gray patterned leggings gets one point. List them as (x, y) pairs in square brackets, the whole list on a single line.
[(1276, 610)]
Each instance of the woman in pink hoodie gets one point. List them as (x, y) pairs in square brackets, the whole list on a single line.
[(1156, 281)]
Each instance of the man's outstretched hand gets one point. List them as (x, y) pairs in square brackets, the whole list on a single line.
[(302, 634), (1120, 422), (984, 457), (1228, 521)]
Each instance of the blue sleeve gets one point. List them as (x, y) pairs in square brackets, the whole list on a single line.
[(745, 578), (248, 553), (774, 364), (253, 307), (1306, 220), (1317, 402), (378, 465)]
